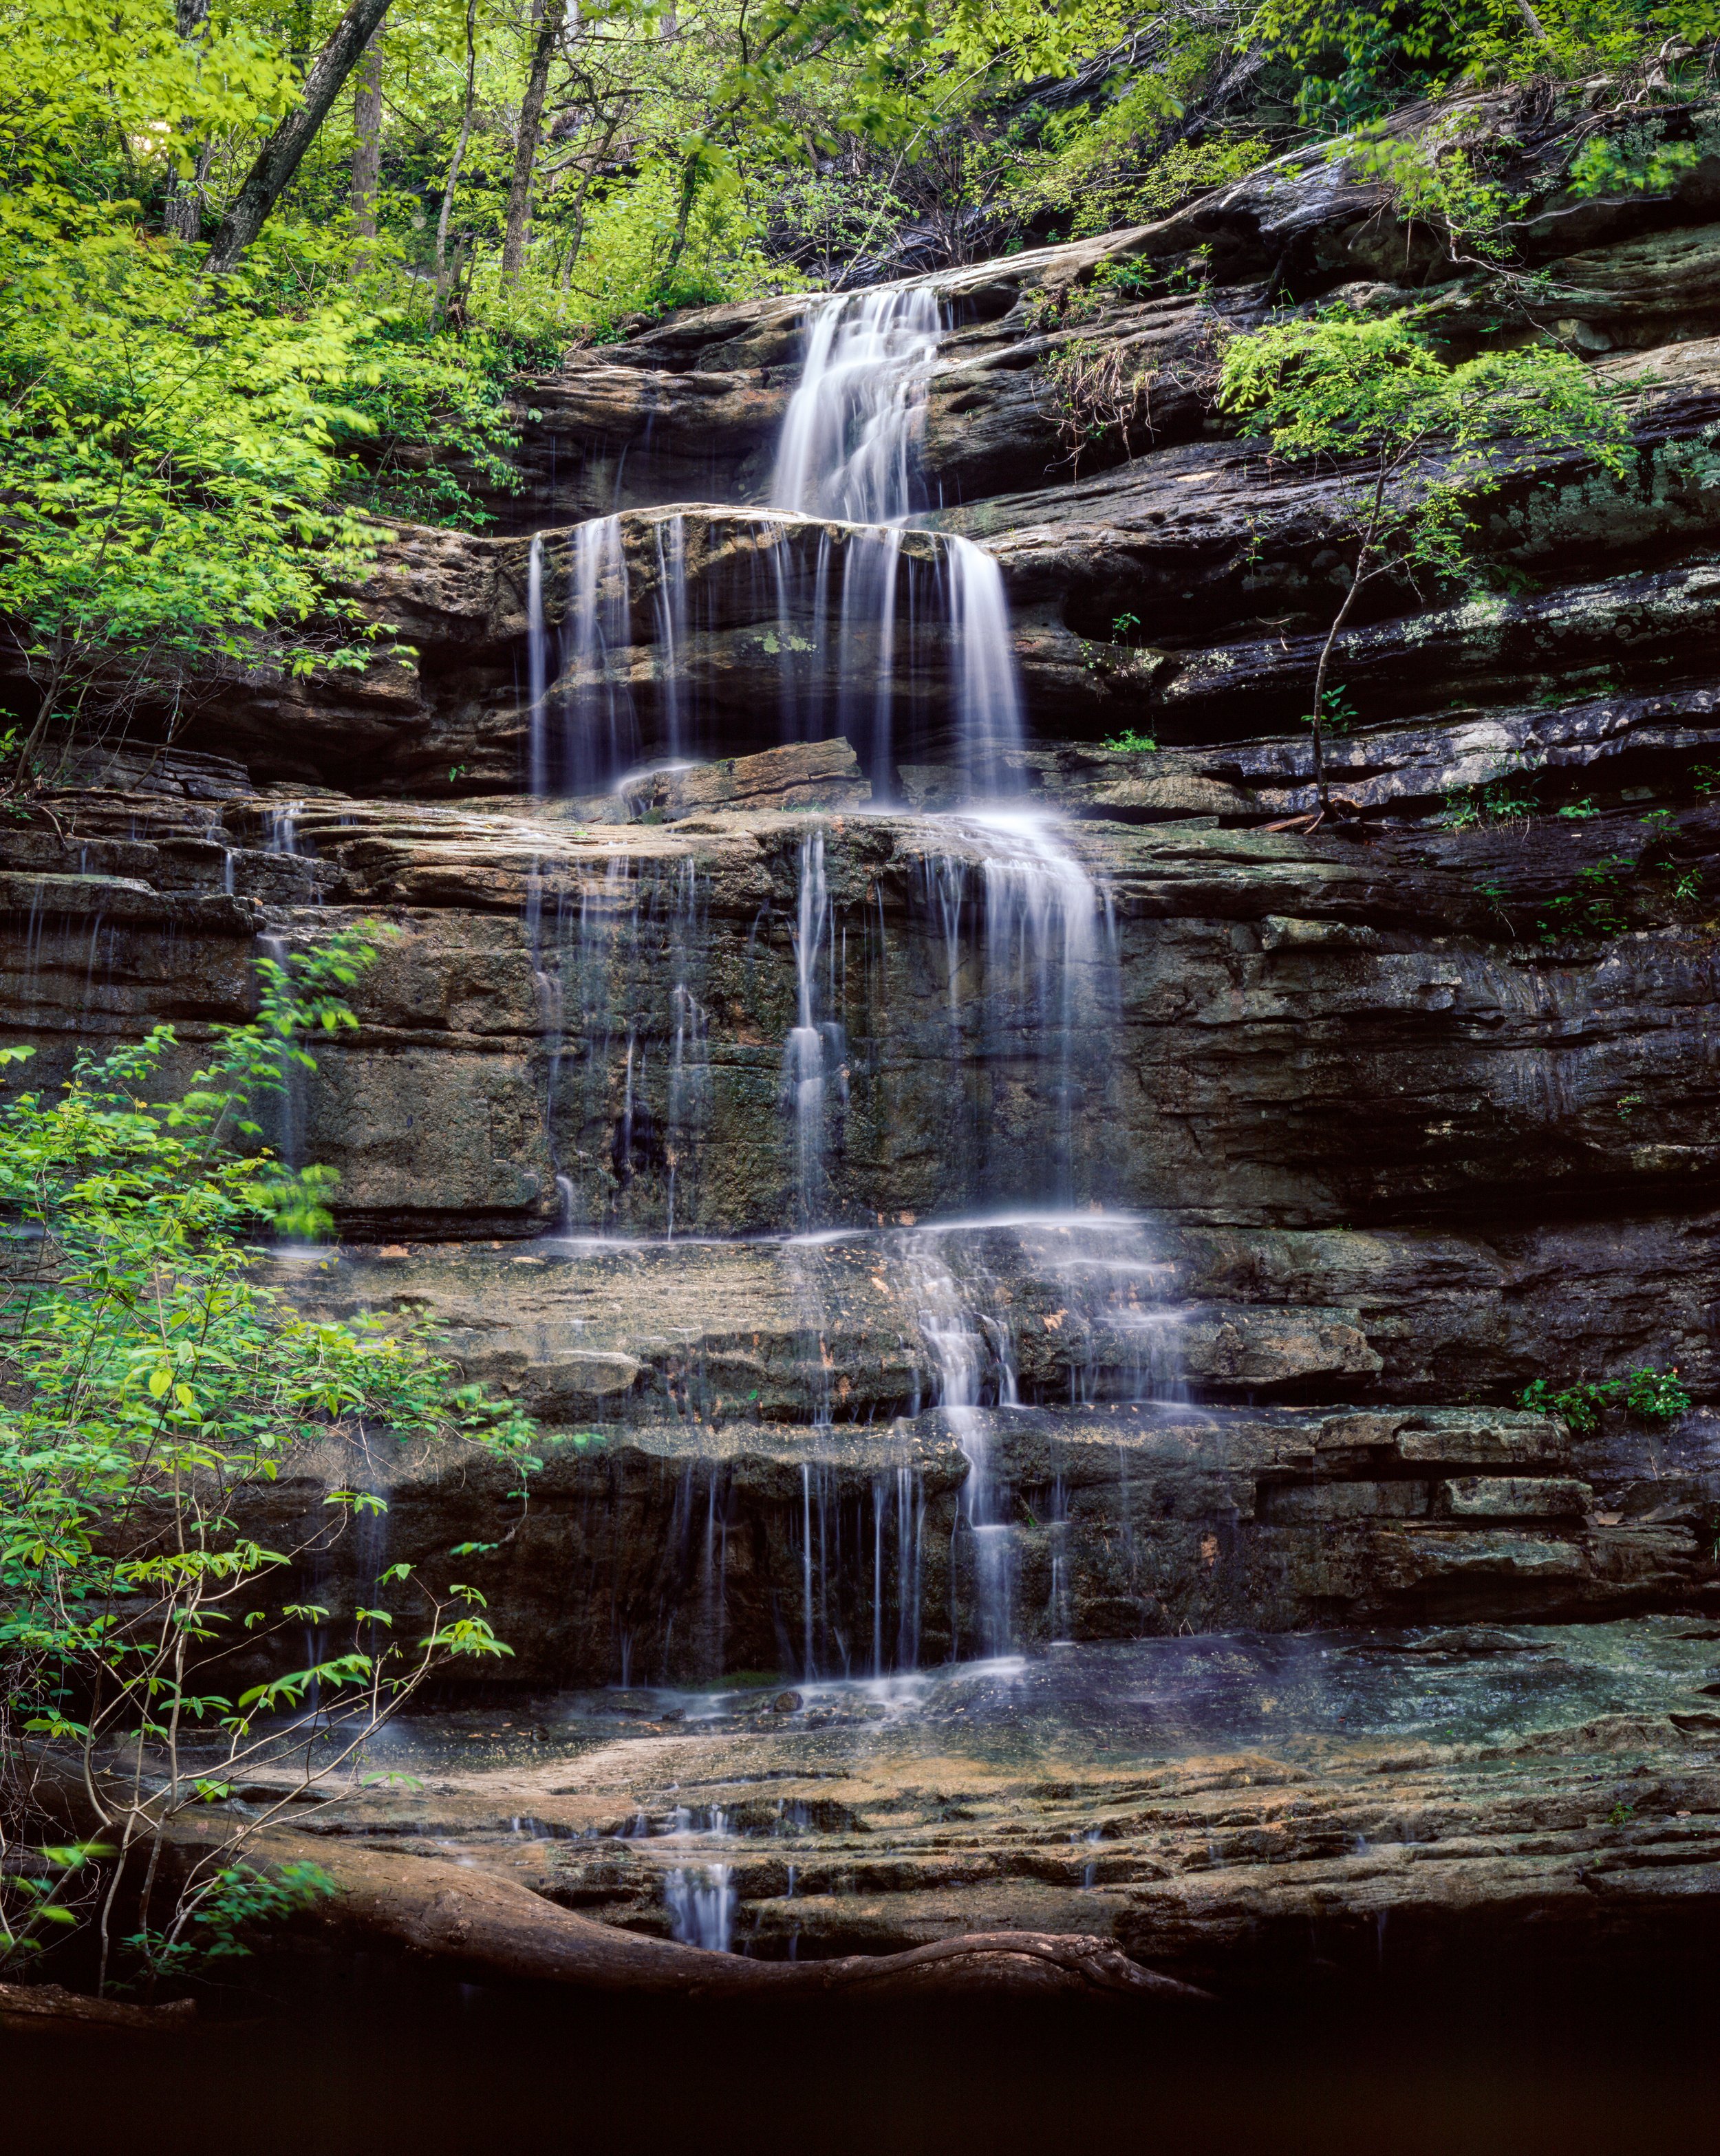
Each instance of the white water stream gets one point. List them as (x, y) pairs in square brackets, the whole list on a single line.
[(1025, 932), (855, 421)]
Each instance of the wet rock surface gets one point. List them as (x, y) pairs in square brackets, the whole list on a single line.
[(1246, 1812)]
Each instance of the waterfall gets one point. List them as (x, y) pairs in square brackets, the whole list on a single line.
[(670, 611), (812, 1054), (289, 1082), (855, 421), (848, 454), (988, 693), (537, 671), (848, 450), (1112, 1286), (963, 1348), (702, 1906), (910, 1529), (627, 1089), (599, 730), (280, 825), (582, 727), (1029, 950)]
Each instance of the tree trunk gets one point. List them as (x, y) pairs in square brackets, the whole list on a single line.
[(551, 13), (281, 155), (481, 1924), (184, 211), (683, 217), (367, 137), (448, 285), (1359, 577), (459, 149)]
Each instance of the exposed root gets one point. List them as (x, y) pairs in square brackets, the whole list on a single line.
[(492, 1926)]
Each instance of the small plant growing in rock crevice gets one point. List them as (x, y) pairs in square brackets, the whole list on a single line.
[(1506, 796), (1595, 909), (1651, 1395), (1599, 905)]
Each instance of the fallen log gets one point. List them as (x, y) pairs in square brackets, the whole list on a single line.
[(49, 2009), (481, 1926)]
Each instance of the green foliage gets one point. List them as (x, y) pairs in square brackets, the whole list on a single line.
[(1123, 282), (1354, 62), (1650, 1395), (183, 461), (1372, 393), (1506, 796), (226, 1914), (1097, 168), (38, 1905), (1436, 180), (1338, 714), (1414, 447), (1598, 908), (164, 469), (149, 1377), (1637, 160), (1130, 742)]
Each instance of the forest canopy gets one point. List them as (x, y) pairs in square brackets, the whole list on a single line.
[(269, 271)]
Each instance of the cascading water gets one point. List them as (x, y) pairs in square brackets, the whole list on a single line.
[(848, 450), (855, 421), (988, 693), (582, 724), (537, 670), (670, 609), (1114, 1294), (1030, 955), (850, 443), (848, 454), (965, 1349), (627, 1087), (702, 1906), (1024, 928), (812, 1073)]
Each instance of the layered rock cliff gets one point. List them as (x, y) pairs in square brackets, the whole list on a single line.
[(1320, 1145)]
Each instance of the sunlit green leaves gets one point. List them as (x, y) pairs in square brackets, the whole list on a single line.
[(1415, 444), (149, 1375)]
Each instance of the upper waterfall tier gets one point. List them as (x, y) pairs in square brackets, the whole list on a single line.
[(850, 451), (851, 439), (567, 661)]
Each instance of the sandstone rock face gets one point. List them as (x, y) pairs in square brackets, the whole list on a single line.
[(1192, 1192)]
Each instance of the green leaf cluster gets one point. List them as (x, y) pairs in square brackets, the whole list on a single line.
[(150, 1374), (1651, 1395)]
